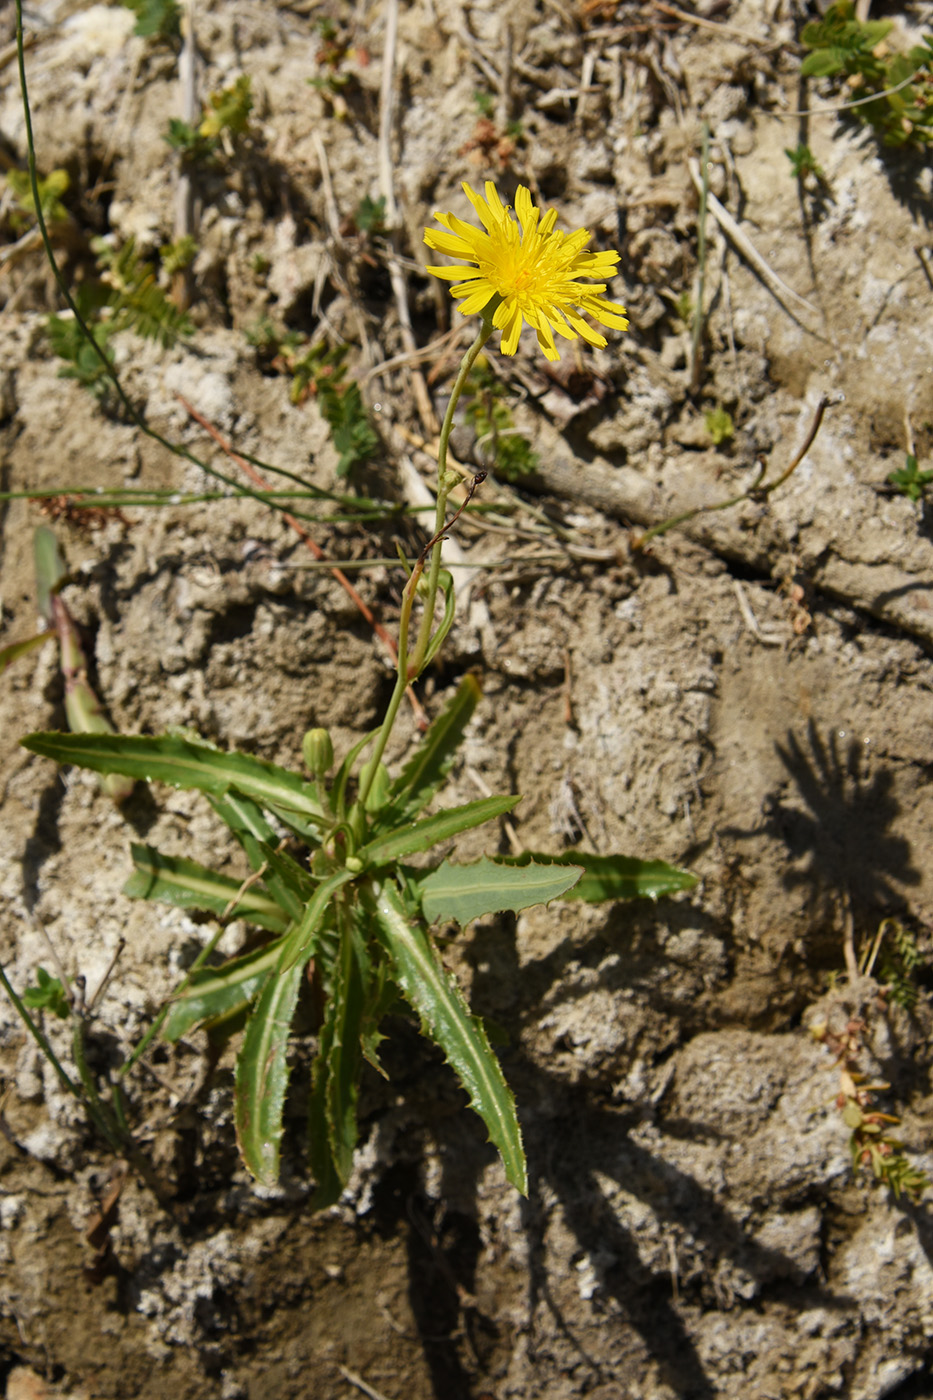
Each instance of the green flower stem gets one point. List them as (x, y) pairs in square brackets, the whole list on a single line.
[(416, 661), (409, 667)]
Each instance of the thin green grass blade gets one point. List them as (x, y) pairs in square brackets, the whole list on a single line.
[(612, 877), (446, 1019), (465, 892), (186, 884), (424, 773), (183, 763), (421, 836)]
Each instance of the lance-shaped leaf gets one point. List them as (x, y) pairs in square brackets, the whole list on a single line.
[(446, 1019), (424, 773), (337, 1070), (182, 763), (613, 877), (220, 994), (188, 885), (262, 1075), (284, 878), (299, 945), (17, 649), (421, 836), (465, 892)]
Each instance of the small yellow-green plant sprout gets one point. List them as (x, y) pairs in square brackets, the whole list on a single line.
[(525, 271), (720, 426), (51, 189)]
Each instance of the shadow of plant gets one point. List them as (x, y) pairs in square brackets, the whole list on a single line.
[(842, 830)]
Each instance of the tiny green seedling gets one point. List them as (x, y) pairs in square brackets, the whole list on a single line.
[(804, 165), (224, 118), (909, 480)]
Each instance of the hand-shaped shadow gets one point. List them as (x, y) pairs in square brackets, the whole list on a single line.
[(577, 1148), (845, 830)]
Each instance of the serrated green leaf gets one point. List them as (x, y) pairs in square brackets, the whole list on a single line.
[(465, 892), (262, 1075), (186, 884), (446, 1019), (299, 945), (424, 773), (218, 994), (345, 1012), (183, 763), (612, 877), (421, 836)]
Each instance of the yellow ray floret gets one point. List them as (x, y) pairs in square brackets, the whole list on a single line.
[(532, 267)]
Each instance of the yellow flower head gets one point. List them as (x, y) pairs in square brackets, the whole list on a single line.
[(531, 267)]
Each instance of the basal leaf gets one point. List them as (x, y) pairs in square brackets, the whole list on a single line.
[(612, 877), (219, 994), (345, 1011), (465, 892), (446, 1019), (183, 763), (188, 885), (424, 773), (299, 945), (262, 1075), (421, 836), (247, 821)]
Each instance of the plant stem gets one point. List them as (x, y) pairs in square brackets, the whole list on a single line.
[(443, 491), (409, 667)]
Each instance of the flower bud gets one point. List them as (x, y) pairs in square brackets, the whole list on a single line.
[(318, 752)]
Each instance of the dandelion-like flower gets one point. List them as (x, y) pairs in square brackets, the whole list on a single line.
[(531, 267)]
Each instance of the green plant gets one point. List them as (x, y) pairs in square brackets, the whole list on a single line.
[(370, 216), (909, 480), (321, 371), (357, 911), (178, 255), (719, 425), (899, 962), (51, 190), (125, 297), (485, 102), (225, 116), (892, 92), (156, 19), (334, 52), (803, 163), (488, 414), (347, 897)]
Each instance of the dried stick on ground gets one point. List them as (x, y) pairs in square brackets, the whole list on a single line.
[(796, 306)]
